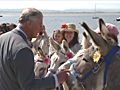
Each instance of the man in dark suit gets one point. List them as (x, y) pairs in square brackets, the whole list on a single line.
[(17, 59)]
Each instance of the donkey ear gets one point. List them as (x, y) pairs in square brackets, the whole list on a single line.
[(95, 38), (93, 35), (64, 45), (55, 45), (85, 41), (103, 29)]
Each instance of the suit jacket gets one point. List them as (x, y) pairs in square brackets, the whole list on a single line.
[(17, 64)]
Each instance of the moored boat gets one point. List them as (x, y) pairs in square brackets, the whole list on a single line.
[(95, 17), (118, 19)]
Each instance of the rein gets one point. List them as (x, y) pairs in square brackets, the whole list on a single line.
[(107, 60)]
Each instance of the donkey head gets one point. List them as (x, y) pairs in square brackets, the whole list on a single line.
[(103, 41), (61, 54), (94, 47)]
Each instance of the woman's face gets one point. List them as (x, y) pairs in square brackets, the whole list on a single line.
[(69, 36)]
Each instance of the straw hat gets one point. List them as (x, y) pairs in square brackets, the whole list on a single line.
[(111, 28), (69, 27)]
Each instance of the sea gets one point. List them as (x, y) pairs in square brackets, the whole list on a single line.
[(53, 20)]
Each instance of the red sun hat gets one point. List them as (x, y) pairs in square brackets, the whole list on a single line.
[(69, 27)]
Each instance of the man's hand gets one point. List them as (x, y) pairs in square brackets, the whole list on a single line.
[(62, 76)]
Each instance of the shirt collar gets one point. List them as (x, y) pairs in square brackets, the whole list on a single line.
[(19, 27)]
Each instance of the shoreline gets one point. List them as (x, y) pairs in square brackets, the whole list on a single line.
[(65, 13)]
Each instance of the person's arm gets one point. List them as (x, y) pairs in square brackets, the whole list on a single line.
[(24, 70), (45, 33)]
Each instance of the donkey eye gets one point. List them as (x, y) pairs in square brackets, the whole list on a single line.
[(85, 59), (97, 49), (80, 55)]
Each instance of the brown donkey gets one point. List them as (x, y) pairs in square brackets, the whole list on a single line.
[(97, 66), (102, 74)]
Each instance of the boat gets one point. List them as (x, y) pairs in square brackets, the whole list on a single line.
[(118, 19), (1, 16), (95, 17)]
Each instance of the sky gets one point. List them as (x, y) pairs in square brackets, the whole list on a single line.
[(60, 4)]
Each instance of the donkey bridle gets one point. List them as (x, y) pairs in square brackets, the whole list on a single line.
[(107, 60)]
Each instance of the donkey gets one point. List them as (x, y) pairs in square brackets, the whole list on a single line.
[(42, 63), (60, 55), (97, 67), (40, 50), (42, 41), (76, 65), (107, 77)]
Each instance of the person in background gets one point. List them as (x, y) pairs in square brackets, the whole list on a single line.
[(1, 32), (12, 26), (70, 34), (112, 31), (17, 59), (4, 27), (57, 36)]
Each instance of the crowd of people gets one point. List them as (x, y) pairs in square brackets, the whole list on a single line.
[(5, 27), (17, 56)]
